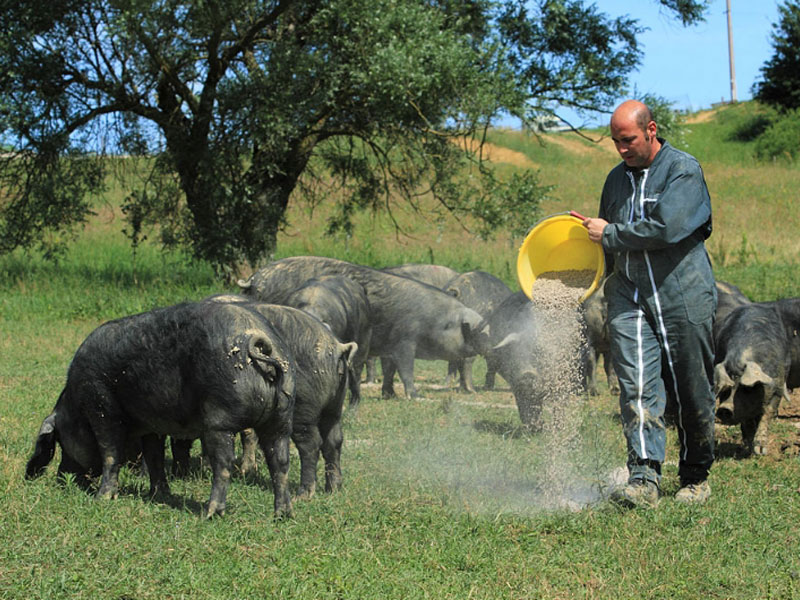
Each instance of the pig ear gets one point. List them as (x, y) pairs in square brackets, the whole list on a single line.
[(509, 339), (453, 292), (753, 374), (722, 381), (478, 336)]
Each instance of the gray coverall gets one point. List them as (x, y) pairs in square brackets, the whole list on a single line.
[(661, 303)]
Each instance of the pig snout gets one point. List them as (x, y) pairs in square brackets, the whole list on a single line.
[(726, 413)]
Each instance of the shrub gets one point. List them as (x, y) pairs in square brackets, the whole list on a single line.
[(779, 140)]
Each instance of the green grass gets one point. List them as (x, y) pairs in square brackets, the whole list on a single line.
[(442, 497)]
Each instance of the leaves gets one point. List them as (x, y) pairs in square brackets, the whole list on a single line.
[(242, 102), (780, 86)]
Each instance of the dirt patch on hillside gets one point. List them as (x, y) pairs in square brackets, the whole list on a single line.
[(576, 146), (700, 117), (499, 154)]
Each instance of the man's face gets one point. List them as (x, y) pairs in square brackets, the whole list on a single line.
[(634, 145)]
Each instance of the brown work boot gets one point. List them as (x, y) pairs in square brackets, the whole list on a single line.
[(693, 492), (637, 493)]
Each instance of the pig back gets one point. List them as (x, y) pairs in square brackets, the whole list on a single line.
[(435, 275), (337, 301), (478, 290)]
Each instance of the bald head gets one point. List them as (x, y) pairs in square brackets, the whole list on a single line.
[(633, 111), (634, 133)]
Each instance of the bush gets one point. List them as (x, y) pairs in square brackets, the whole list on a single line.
[(779, 140)]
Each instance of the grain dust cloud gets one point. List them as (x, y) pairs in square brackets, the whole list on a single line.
[(563, 461)]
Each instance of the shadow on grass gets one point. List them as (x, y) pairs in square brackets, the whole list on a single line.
[(504, 429), (731, 450)]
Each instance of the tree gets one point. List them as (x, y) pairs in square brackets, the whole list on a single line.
[(234, 104), (780, 86)]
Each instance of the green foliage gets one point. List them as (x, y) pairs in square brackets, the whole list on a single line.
[(779, 139), (780, 86), (670, 122), (237, 100), (757, 131)]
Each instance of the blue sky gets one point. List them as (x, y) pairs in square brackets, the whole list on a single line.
[(689, 65)]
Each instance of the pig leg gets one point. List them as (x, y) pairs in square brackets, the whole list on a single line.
[(111, 442), (181, 456), (465, 368), (153, 456), (219, 445), (389, 369), (354, 383), (371, 376), (611, 375), (249, 444), (491, 372), (276, 450), (404, 361), (308, 441), (760, 427), (453, 368), (331, 431), (590, 371), (749, 427)]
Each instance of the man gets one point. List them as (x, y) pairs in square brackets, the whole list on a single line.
[(655, 214)]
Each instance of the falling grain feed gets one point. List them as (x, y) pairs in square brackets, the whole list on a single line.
[(558, 295)]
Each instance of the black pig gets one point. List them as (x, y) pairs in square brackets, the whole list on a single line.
[(323, 364), (191, 370), (483, 293), (342, 305), (595, 314), (757, 360), (519, 346)]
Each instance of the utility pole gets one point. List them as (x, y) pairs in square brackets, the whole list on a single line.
[(730, 54)]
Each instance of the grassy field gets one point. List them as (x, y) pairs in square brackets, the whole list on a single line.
[(445, 496)]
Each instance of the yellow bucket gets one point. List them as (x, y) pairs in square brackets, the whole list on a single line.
[(559, 243)]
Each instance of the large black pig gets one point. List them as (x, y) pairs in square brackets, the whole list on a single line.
[(436, 275), (190, 370), (409, 319), (757, 360), (483, 293), (521, 342), (342, 305), (320, 388)]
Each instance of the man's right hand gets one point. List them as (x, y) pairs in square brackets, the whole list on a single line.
[(595, 228)]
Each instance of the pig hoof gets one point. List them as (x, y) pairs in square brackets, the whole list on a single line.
[(107, 494), (213, 509), (159, 491), (760, 449), (304, 493), (283, 514)]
